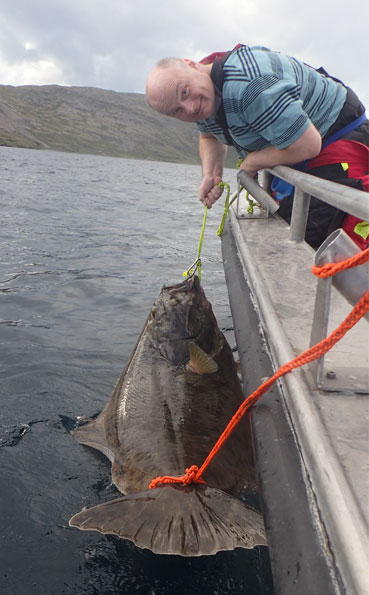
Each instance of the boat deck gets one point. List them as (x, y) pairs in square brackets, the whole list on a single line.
[(311, 444)]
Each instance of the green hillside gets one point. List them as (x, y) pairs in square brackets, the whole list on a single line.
[(94, 121)]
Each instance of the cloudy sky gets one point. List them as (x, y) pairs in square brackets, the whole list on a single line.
[(112, 44)]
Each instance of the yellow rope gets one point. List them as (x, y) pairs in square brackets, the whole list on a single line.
[(197, 263), (226, 207)]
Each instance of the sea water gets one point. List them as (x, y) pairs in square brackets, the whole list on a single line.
[(86, 243)]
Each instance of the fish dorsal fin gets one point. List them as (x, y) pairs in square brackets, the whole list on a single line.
[(200, 362)]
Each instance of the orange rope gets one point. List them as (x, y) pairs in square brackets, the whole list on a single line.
[(331, 268), (194, 473)]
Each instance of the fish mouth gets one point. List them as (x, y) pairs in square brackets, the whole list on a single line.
[(189, 292), (181, 315), (186, 291)]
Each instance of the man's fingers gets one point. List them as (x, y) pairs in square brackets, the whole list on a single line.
[(209, 195)]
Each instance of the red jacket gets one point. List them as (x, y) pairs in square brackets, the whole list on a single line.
[(356, 156)]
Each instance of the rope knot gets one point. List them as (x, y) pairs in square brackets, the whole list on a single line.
[(191, 476)]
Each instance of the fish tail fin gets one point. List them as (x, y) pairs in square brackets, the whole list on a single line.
[(186, 521)]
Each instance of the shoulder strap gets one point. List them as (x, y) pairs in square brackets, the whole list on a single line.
[(348, 128), (217, 76)]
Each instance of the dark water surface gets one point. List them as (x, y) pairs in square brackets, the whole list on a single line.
[(86, 244)]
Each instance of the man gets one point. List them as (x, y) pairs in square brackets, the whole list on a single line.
[(275, 110)]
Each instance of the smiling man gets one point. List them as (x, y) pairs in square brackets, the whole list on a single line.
[(275, 110), (181, 89)]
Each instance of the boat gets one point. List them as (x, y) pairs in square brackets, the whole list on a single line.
[(310, 430)]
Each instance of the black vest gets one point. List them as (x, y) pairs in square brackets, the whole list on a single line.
[(217, 76)]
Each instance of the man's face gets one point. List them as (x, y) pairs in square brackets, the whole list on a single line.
[(183, 93)]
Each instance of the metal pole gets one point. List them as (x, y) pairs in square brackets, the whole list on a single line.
[(300, 211), (263, 198)]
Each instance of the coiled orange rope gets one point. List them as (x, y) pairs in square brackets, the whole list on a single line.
[(193, 474)]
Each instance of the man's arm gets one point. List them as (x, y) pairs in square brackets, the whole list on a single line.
[(307, 146), (212, 155)]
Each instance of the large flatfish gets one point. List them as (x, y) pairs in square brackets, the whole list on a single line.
[(175, 396)]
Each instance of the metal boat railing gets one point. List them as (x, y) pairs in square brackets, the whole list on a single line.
[(351, 284), (350, 200)]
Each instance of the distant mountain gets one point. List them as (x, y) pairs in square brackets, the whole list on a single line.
[(94, 121)]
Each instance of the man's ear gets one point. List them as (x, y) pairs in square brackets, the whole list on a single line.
[(191, 64)]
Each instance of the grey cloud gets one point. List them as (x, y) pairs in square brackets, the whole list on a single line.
[(114, 43)]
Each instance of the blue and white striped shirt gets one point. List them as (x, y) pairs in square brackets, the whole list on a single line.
[(271, 99)]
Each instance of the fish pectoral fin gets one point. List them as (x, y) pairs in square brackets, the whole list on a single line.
[(93, 434), (200, 362), (184, 521)]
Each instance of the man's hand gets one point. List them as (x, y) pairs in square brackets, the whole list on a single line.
[(212, 154), (209, 190)]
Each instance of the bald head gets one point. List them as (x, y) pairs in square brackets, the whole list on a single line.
[(168, 62), (155, 82), (181, 89)]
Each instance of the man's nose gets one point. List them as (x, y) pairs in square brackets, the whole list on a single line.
[(189, 106)]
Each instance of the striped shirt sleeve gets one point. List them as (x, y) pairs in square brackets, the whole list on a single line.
[(271, 108)]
